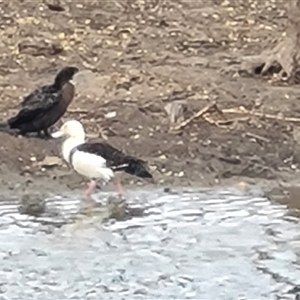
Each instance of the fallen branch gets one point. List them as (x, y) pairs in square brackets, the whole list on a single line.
[(236, 110), (224, 123), (195, 116), (243, 111), (258, 137)]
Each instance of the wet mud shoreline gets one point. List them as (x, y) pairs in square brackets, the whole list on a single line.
[(150, 69)]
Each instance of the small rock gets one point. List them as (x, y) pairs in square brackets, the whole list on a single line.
[(110, 115), (163, 157), (168, 174), (32, 204), (167, 190), (180, 174), (243, 186), (153, 168), (54, 5), (117, 208)]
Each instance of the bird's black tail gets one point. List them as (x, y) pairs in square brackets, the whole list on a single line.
[(4, 126), (133, 166)]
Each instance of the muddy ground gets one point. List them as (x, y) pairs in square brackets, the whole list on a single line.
[(143, 61)]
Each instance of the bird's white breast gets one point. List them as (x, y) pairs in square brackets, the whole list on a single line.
[(91, 166), (85, 163), (67, 147)]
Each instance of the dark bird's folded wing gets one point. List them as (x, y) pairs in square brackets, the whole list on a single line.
[(40, 103), (36, 95)]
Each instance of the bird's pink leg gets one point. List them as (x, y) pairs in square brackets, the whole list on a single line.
[(118, 185), (91, 187)]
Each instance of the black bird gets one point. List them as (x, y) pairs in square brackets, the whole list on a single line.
[(96, 161), (44, 106)]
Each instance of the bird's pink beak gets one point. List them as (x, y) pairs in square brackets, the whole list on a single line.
[(57, 134)]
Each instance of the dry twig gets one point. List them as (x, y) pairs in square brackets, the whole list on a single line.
[(243, 111), (236, 110), (258, 137), (195, 116), (78, 111), (224, 123)]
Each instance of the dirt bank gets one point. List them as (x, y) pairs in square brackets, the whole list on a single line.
[(154, 65)]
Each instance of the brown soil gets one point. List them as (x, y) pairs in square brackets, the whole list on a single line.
[(147, 57)]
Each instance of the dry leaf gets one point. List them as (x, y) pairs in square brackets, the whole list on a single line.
[(50, 162)]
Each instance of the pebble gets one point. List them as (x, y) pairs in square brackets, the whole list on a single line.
[(163, 157), (110, 115), (168, 174), (180, 174)]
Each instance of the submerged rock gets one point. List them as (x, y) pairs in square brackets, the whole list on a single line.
[(113, 208), (32, 204), (117, 208)]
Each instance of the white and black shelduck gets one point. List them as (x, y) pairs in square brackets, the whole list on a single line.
[(96, 161)]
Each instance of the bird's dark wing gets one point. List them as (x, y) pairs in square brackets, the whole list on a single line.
[(36, 95), (40, 103), (112, 155), (116, 159)]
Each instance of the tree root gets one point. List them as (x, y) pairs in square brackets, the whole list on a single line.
[(280, 60)]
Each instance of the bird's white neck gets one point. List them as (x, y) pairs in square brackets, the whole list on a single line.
[(68, 145)]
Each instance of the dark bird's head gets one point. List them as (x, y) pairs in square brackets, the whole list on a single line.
[(65, 75)]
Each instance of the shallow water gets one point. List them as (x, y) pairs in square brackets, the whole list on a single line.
[(205, 244)]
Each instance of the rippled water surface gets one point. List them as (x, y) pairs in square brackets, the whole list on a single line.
[(209, 244)]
